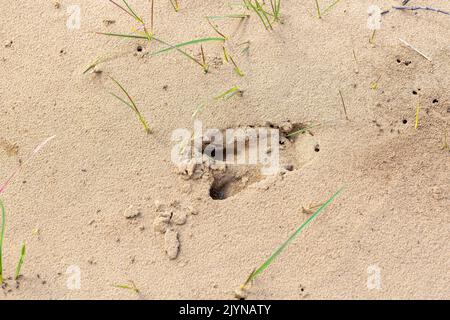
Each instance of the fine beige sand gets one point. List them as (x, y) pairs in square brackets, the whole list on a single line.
[(104, 198)]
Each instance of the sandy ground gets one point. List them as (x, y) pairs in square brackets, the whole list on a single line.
[(69, 204)]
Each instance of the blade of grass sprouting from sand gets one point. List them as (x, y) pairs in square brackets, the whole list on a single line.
[(91, 67), (2, 234), (170, 47), (330, 6), (251, 6), (20, 262), (131, 104), (372, 37), (15, 172), (175, 5), (94, 64), (275, 9), (236, 68), (302, 130), (277, 252), (278, 9), (416, 124), (187, 43), (133, 13), (205, 66), (261, 9), (122, 8), (319, 15), (182, 52), (225, 54), (123, 101), (131, 287), (216, 29), (227, 94), (121, 35), (228, 16)]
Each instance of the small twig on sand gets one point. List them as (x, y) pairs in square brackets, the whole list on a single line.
[(415, 49), (343, 104), (422, 8)]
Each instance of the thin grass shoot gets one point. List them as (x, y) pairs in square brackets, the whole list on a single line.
[(255, 8), (130, 286), (343, 105), (416, 124), (149, 37), (280, 249), (216, 29), (20, 262), (175, 4), (302, 130), (331, 6), (229, 93), (225, 55), (229, 16), (319, 14), (131, 104), (236, 67), (205, 65), (276, 6)]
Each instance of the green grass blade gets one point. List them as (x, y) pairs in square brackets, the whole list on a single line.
[(122, 8), (236, 67), (170, 47), (2, 234), (227, 94), (319, 15), (132, 105), (175, 5), (94, 64), (122, 100), (250, 5), (330, 6), (20, 263), (261, 9), (290, 239), (216, 29), (302, 130), (132, 12), (133, 36), (187, 43), (131, 287), (278, 8), (228, 16)]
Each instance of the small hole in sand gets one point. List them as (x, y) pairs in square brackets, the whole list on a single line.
[(435, 100), (139, 48), (414, 92), (399, 61), (219, 189), (404, 121), (317, 148)]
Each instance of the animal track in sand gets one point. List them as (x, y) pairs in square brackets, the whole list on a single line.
[(168, 222), (297, 146), (11, 149)]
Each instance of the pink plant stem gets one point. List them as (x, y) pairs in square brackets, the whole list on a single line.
[(17, 170)]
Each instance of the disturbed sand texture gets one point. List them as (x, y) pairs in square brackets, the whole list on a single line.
[(71, 204)]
